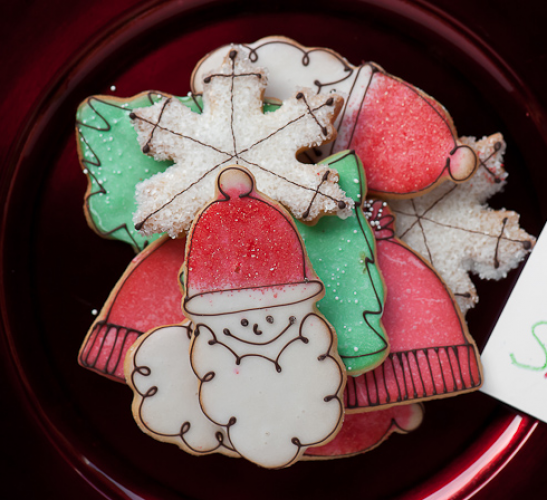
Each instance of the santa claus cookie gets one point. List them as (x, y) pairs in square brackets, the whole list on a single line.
[(406, 140), (432, 354), (266, 360)]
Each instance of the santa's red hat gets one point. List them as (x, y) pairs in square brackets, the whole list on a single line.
[(240, 243)]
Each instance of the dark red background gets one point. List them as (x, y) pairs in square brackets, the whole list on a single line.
[(37, 39)]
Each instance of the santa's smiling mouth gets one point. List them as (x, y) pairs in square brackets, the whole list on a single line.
[(256, 331)]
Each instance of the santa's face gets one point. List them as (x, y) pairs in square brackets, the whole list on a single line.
[(251, 320), (258, 326)]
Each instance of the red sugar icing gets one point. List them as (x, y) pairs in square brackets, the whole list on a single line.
[(402, 137), (242, 242), (360, 432), (139, 302), (363, 431), (431, 351)]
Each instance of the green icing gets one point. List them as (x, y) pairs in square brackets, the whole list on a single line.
[(113, 160), (342, 253)]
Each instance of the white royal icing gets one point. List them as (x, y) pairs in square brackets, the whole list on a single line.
[(274, 399), (166, 404), (292, 66)]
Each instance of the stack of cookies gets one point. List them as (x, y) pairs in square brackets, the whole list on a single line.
[(305, 230)]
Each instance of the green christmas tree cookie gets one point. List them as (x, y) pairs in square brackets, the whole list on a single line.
[(342, 253), (114, 163)]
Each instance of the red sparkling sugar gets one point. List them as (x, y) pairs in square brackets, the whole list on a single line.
[(146, 296), (242, 241), (402, 137), (364, 431)]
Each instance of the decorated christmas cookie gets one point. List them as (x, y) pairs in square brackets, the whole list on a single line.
[(363, 432), (343, 255), (233, 129), (458, 233), (353, 301), (114, 163), (406, 139), (432, 354), (166, 404), (139, 302), (266, 360)]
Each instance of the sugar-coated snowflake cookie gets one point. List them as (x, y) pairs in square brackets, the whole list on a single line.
[(453, 227), (405, 139), (266, 360), (232, 129), (432, 354)]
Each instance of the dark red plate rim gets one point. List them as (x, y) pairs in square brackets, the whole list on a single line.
[(468, 473)]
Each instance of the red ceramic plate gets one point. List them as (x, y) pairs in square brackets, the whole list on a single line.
[(69, 432)]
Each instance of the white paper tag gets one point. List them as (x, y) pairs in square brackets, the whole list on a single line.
[(515, 357)]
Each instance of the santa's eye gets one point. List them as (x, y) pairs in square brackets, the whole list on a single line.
[(269, 319), (244, 322)]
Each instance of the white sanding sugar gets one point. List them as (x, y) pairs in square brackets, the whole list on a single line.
[(233, 130)]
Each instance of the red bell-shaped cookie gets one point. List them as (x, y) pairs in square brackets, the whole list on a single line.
[(432, 354), (147, 295)]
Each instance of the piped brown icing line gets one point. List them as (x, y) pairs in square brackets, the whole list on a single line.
[(419, 217), (236, 155), (254, 57), (185, 427), (210, 375)]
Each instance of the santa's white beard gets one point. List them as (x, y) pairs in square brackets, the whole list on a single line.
[(276, 394), (166, 402)]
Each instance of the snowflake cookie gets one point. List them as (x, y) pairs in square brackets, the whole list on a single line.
[(234, 130), (405, 138), (458, 233)]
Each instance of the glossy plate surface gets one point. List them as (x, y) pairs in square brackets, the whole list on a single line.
[(55, 270)]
